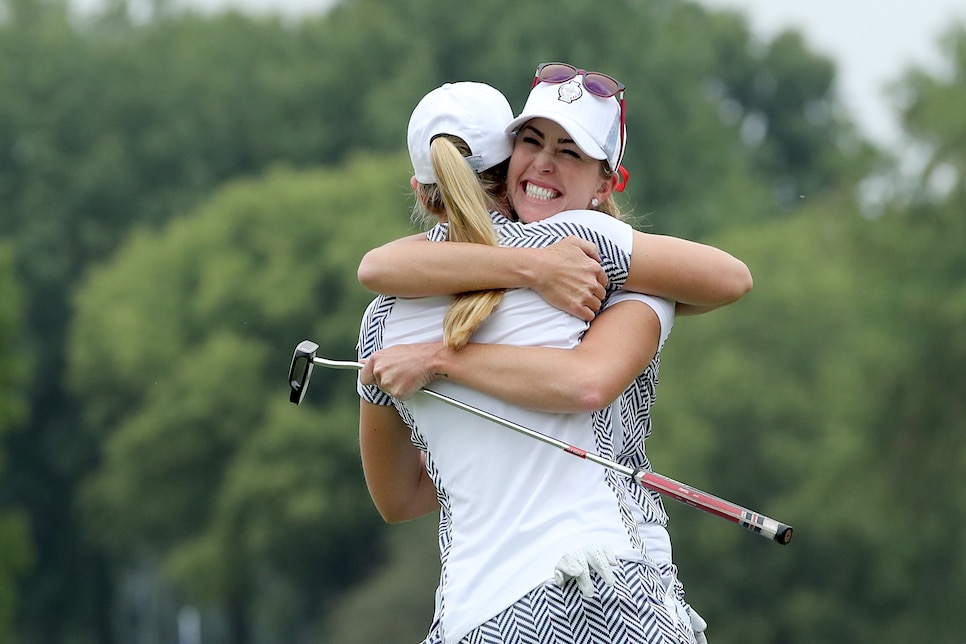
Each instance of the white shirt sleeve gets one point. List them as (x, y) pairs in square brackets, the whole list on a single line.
[(662, 307)]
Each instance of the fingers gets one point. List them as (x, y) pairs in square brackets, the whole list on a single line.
[(591, 300), (569, 567), (585, 313), (603, 560), (578, 563), (599, 291), (589, 248), (366, 376), (573, 565), (396, 370), (591, 303), (585, 584), (572, 278), (393, 387), (602, 279), (372, 373)]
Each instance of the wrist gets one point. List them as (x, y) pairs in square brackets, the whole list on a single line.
[(440, 361), (526, 267)]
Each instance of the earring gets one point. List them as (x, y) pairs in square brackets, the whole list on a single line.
[(594, 202)]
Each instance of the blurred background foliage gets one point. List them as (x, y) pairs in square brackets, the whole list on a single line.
[(185, 196)]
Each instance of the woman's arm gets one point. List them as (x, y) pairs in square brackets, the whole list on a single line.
[(615, 350), (394, 468), (700, 278), (567, 274)]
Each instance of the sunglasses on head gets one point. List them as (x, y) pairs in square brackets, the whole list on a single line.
[(598, 84)]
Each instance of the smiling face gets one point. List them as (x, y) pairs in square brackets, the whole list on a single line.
[(549, 173)]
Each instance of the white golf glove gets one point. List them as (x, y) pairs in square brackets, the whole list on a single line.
[(577, 564), (698, 625)]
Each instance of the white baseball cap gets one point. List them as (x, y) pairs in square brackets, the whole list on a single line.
[(475, 112), (594, 123)]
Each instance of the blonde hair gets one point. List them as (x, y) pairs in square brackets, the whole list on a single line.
[(459, 196), (429, 207)]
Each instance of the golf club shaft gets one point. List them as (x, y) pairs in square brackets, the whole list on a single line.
[(753, 521)]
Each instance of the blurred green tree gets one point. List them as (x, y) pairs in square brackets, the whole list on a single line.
[(178, 346), (110, 124), (831, 398), (16, 553)]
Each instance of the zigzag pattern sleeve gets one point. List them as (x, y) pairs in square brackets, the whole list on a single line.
[(615, 260), (370, 341)]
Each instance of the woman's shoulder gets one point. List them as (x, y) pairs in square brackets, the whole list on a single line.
[(589, 220), (590, 225)]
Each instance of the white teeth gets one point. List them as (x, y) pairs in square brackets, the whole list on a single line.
[(536, 192)]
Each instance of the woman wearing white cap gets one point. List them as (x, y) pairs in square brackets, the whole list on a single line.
[(489, 563)]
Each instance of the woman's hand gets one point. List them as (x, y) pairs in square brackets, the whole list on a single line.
[(571, 278), (401, 370), (567, 274)]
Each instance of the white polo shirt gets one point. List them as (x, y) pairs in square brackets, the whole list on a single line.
[(511, 505)]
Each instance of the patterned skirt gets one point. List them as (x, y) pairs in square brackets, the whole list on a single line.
[(637, 609)]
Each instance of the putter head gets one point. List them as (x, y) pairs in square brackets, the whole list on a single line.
[(300, 370)]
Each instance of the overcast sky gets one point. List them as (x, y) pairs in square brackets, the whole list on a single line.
[(871, 41)]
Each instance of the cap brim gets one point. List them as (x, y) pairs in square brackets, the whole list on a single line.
[(583, 140)]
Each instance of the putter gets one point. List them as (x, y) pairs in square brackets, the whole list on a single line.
[(305, 358)]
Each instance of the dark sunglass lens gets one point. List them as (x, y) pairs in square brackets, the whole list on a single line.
[(557, 73), (601, 85)]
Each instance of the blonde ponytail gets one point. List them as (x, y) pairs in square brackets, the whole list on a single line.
[(466, 205)]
